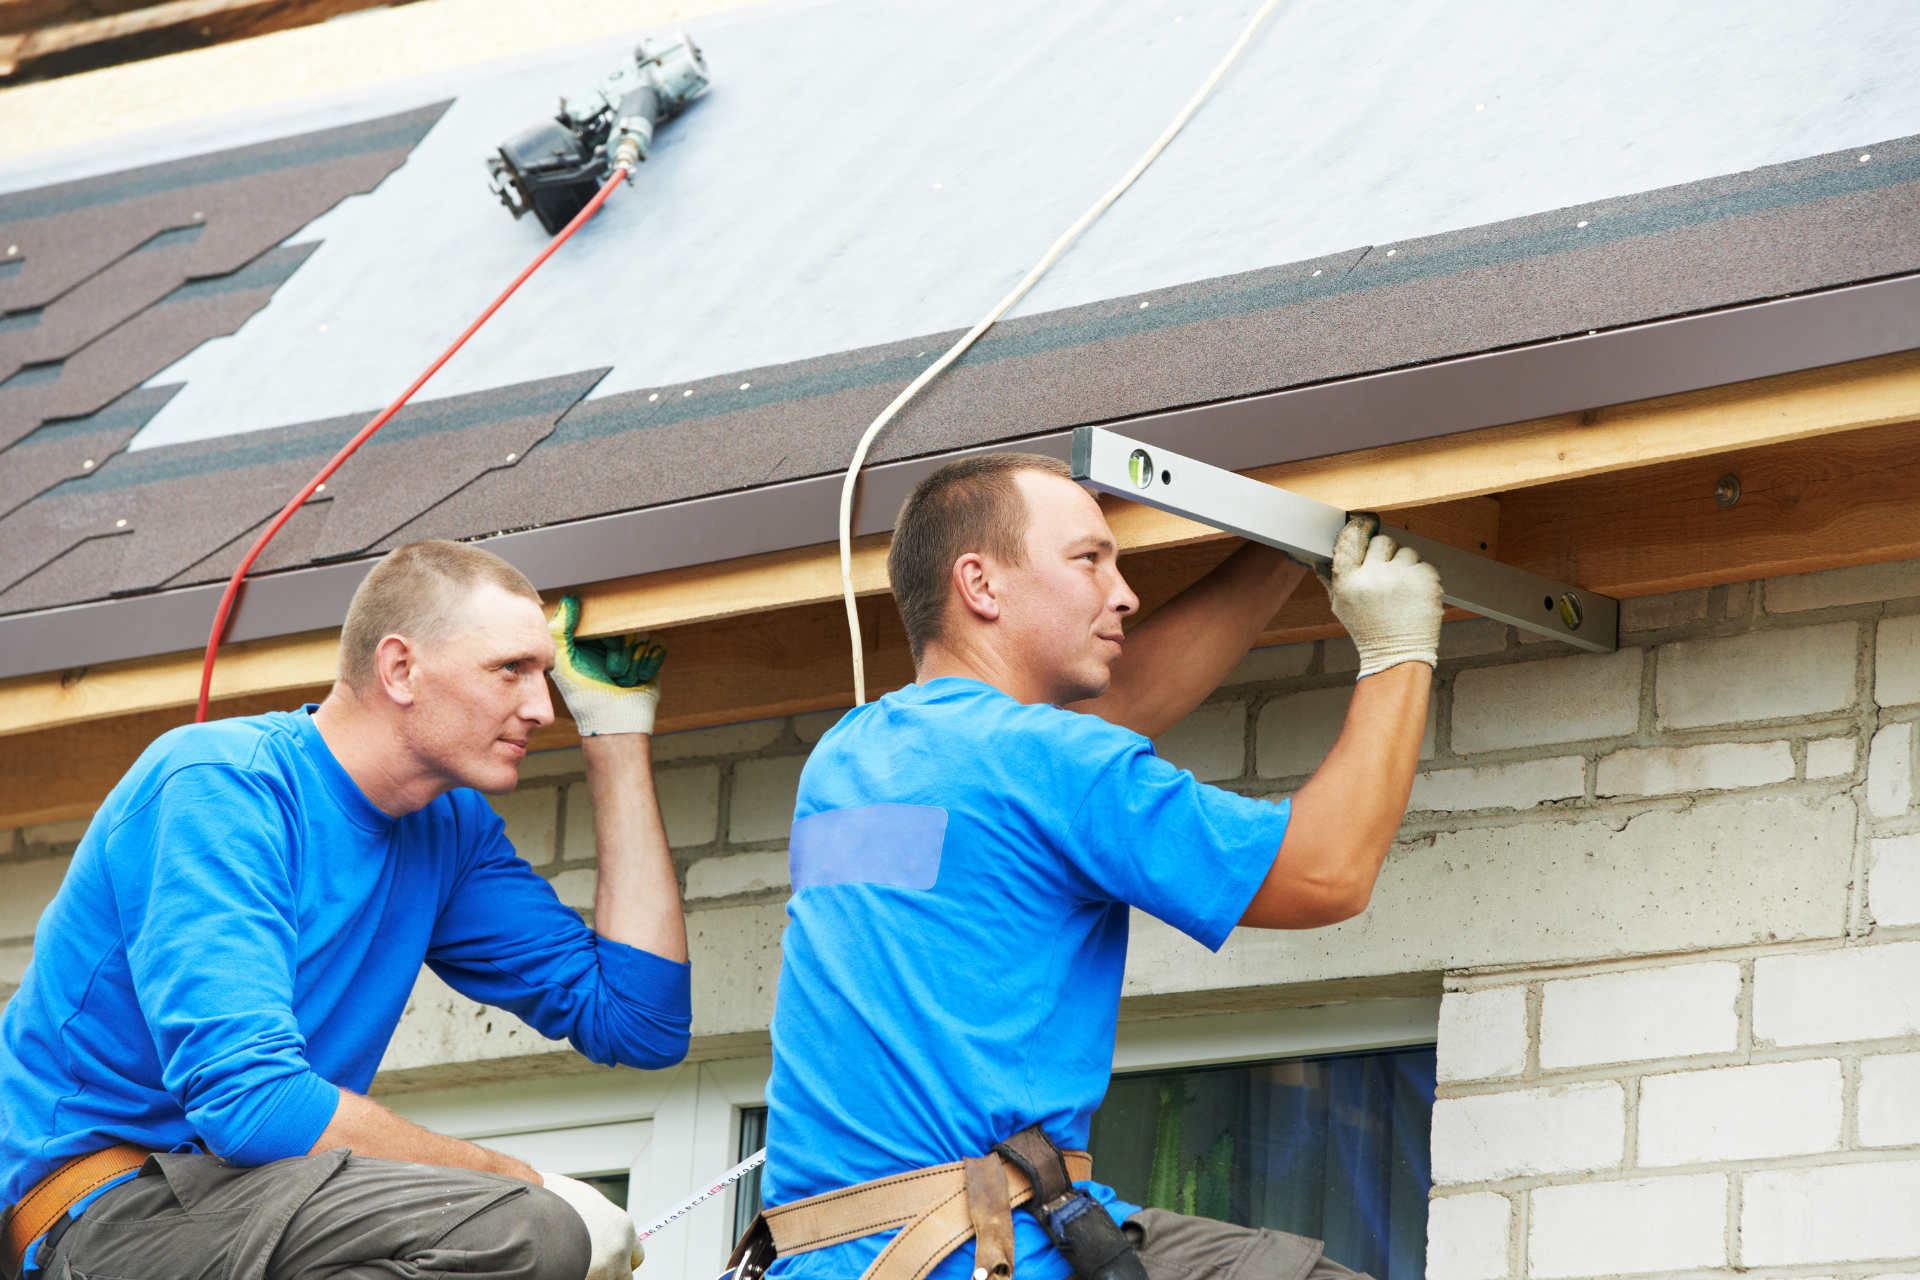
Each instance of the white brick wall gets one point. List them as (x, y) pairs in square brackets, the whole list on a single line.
[(1893, 885), (1628, 1228), (1741, 1113), (1859, 993), (1521, 784), (1212, 742), (1660, 771), (532, 818), (1763, 675), (1531, 704), (1831, 757), (1483, 1034), (738, 873), (1896, 661), (1558, 1129), (1771, 1105), (1470, 1237), (1890, 771), (1295, 732), (25, 890), (1890, 1100), (1639, 1015), (1836, 587), (763, 795), (1829, 1214)]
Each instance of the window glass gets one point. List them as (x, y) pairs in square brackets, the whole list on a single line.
[(1335, 1148), (611, 1185), (746, 1196)]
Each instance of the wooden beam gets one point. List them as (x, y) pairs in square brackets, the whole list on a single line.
[(1804, 506), (151, 684)]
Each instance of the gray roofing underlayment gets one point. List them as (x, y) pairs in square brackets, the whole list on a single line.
[(860, 171)]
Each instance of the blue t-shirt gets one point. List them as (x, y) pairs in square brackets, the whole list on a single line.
[(237, 938), (962, 867)]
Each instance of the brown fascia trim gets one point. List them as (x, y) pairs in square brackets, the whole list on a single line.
[(1640, 362)]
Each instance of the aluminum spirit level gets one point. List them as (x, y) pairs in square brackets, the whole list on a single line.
[(1305, 528)]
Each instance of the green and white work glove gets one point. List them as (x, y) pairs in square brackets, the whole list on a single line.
[(1385, 596), (616, 1248), (612, 684)]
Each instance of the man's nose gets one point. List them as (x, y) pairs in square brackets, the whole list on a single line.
[(539, 704)]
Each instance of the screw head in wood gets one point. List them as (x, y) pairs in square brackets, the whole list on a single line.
[(1727, 491)]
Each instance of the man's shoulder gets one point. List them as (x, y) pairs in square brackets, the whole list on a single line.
[(960, 732), (243, 746)]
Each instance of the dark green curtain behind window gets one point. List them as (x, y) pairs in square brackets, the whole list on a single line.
[(1334, 1148), (746, 1196)]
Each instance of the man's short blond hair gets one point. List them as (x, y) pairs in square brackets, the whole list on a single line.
[(416, 591)]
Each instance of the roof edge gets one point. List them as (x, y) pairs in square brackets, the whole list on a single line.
[(1637, 362)]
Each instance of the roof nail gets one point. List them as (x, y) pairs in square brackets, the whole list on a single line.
[(119, 524), (87, 465), (687, 392), (653, 397), (1579, 224), (745, 385), (512, 456), (1143, 306)]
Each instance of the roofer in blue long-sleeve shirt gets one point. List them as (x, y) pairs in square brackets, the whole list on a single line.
[(219, 975)]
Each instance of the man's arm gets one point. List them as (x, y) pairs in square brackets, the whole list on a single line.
[(1181, 653), (366, 1128), (1344, 819), (637, 900)]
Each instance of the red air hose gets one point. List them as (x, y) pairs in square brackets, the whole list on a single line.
[(232, 592)]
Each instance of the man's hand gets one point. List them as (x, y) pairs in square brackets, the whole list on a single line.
[(366, 1128), (1388, 600), (612, 684), (616, 1251)]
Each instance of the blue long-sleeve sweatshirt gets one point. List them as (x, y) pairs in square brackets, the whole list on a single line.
[(236, 940)]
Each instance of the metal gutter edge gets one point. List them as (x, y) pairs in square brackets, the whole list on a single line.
[(1666, 357)]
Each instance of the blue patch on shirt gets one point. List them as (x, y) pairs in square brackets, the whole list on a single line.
[(896, 844)]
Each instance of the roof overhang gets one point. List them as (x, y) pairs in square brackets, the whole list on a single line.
[(1633, 363)]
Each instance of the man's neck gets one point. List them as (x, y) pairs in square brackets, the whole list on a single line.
[(374, 754), (966, 662)]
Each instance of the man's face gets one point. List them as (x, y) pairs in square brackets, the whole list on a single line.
[(1062, 609), (480, 693)]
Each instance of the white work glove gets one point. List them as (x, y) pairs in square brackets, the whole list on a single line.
[(1385, 596), (612, 684), (616, 1251)]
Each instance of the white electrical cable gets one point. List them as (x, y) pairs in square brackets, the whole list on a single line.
[(959, 348), (705, 1193)]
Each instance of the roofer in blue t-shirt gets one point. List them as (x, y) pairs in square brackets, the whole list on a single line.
[(964, 854), (242, 924)]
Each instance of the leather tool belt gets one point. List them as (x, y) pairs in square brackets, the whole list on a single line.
[(936, 1210), (55, 1195)]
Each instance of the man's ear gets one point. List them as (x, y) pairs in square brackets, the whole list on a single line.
[(973, 583), (394, 659)]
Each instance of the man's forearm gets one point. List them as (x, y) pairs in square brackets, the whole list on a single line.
[(366, 1128), (1345, 817), (637, 900), (1180, 654)]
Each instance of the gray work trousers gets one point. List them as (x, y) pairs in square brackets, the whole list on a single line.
[(332, 1216), (1173, 1246)]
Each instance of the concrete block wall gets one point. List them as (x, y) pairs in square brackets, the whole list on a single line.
[(1740, 774)]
